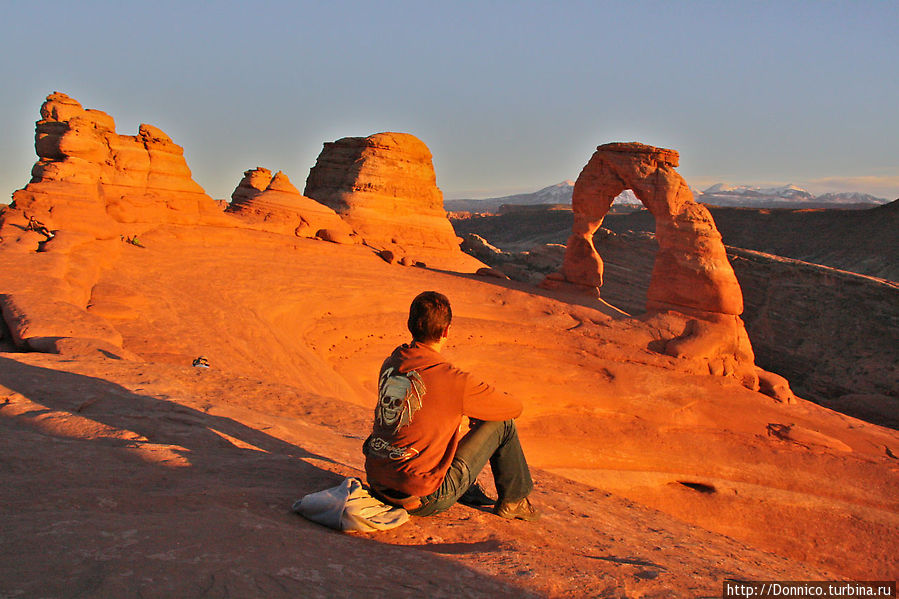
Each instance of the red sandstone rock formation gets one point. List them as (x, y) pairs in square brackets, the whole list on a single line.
[(88, 184), (274, 204), (691, 269), (292, 343), (90, 179), (384, 186), (253, 183), (691, 276)]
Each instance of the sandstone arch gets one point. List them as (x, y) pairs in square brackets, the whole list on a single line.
[(691, 270), (694, 298)]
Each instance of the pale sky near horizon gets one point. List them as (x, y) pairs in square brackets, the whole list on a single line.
[(509, 96)]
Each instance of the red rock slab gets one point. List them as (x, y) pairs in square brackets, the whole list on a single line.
[(32, 318)]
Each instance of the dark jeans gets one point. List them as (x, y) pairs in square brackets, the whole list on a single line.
[(493, 441)]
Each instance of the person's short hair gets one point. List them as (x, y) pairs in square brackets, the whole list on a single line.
[(429, 315)]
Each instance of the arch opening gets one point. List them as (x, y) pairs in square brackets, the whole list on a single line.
[(690, 271)]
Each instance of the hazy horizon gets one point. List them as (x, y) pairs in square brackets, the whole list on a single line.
[(510, 97), (815, 189)]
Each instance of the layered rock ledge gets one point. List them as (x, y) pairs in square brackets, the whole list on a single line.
[(90, 179), (385, 187)]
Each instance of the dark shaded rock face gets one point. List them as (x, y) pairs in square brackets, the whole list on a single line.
[(832, 333), (860, 241)]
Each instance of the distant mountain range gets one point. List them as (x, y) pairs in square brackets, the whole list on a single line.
[(786, 196), (720, 194)]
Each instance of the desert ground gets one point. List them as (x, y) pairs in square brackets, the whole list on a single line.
[(151, 477)]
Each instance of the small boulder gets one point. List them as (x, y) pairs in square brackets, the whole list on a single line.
[(335, 236), (776, 386), (482, 249), (491, 272)]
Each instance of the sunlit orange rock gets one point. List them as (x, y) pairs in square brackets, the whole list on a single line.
[(254, 182), (279, 207), (691, 275), (691, 269), (89, 178), (385, 187)]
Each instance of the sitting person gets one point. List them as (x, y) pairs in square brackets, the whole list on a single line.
[(414, 457)]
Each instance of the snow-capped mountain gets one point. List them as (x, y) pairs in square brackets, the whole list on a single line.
[(560, 193), (744, 195), (786, 196), (850, 197), (720, 194)]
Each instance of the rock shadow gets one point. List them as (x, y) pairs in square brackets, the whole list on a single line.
[(196, 434), (561, 295), (461, 547), (207, 529)]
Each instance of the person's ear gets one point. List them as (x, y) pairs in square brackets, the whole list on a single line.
[(445, 332)]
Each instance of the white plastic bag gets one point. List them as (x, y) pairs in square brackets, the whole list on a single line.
[(349, 506)]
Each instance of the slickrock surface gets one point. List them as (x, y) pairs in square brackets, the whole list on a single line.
[(279, 207), (170, 479), (693, 290), (102, 183), (385, 187)]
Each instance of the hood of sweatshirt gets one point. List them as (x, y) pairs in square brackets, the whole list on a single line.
[(413, 356)]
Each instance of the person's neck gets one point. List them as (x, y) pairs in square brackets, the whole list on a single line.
[(435, 345)]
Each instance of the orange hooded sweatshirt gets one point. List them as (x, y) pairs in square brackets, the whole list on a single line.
[(421, 401)]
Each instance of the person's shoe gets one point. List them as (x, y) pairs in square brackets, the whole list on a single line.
[(520, 510), (475, 497)]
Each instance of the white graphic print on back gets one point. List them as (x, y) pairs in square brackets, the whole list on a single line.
[(399, 397)]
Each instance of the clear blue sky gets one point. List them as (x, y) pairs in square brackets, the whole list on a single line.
[(510, 96)]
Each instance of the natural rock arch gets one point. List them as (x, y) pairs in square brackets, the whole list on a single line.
[(691, 270), (694, 299)]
